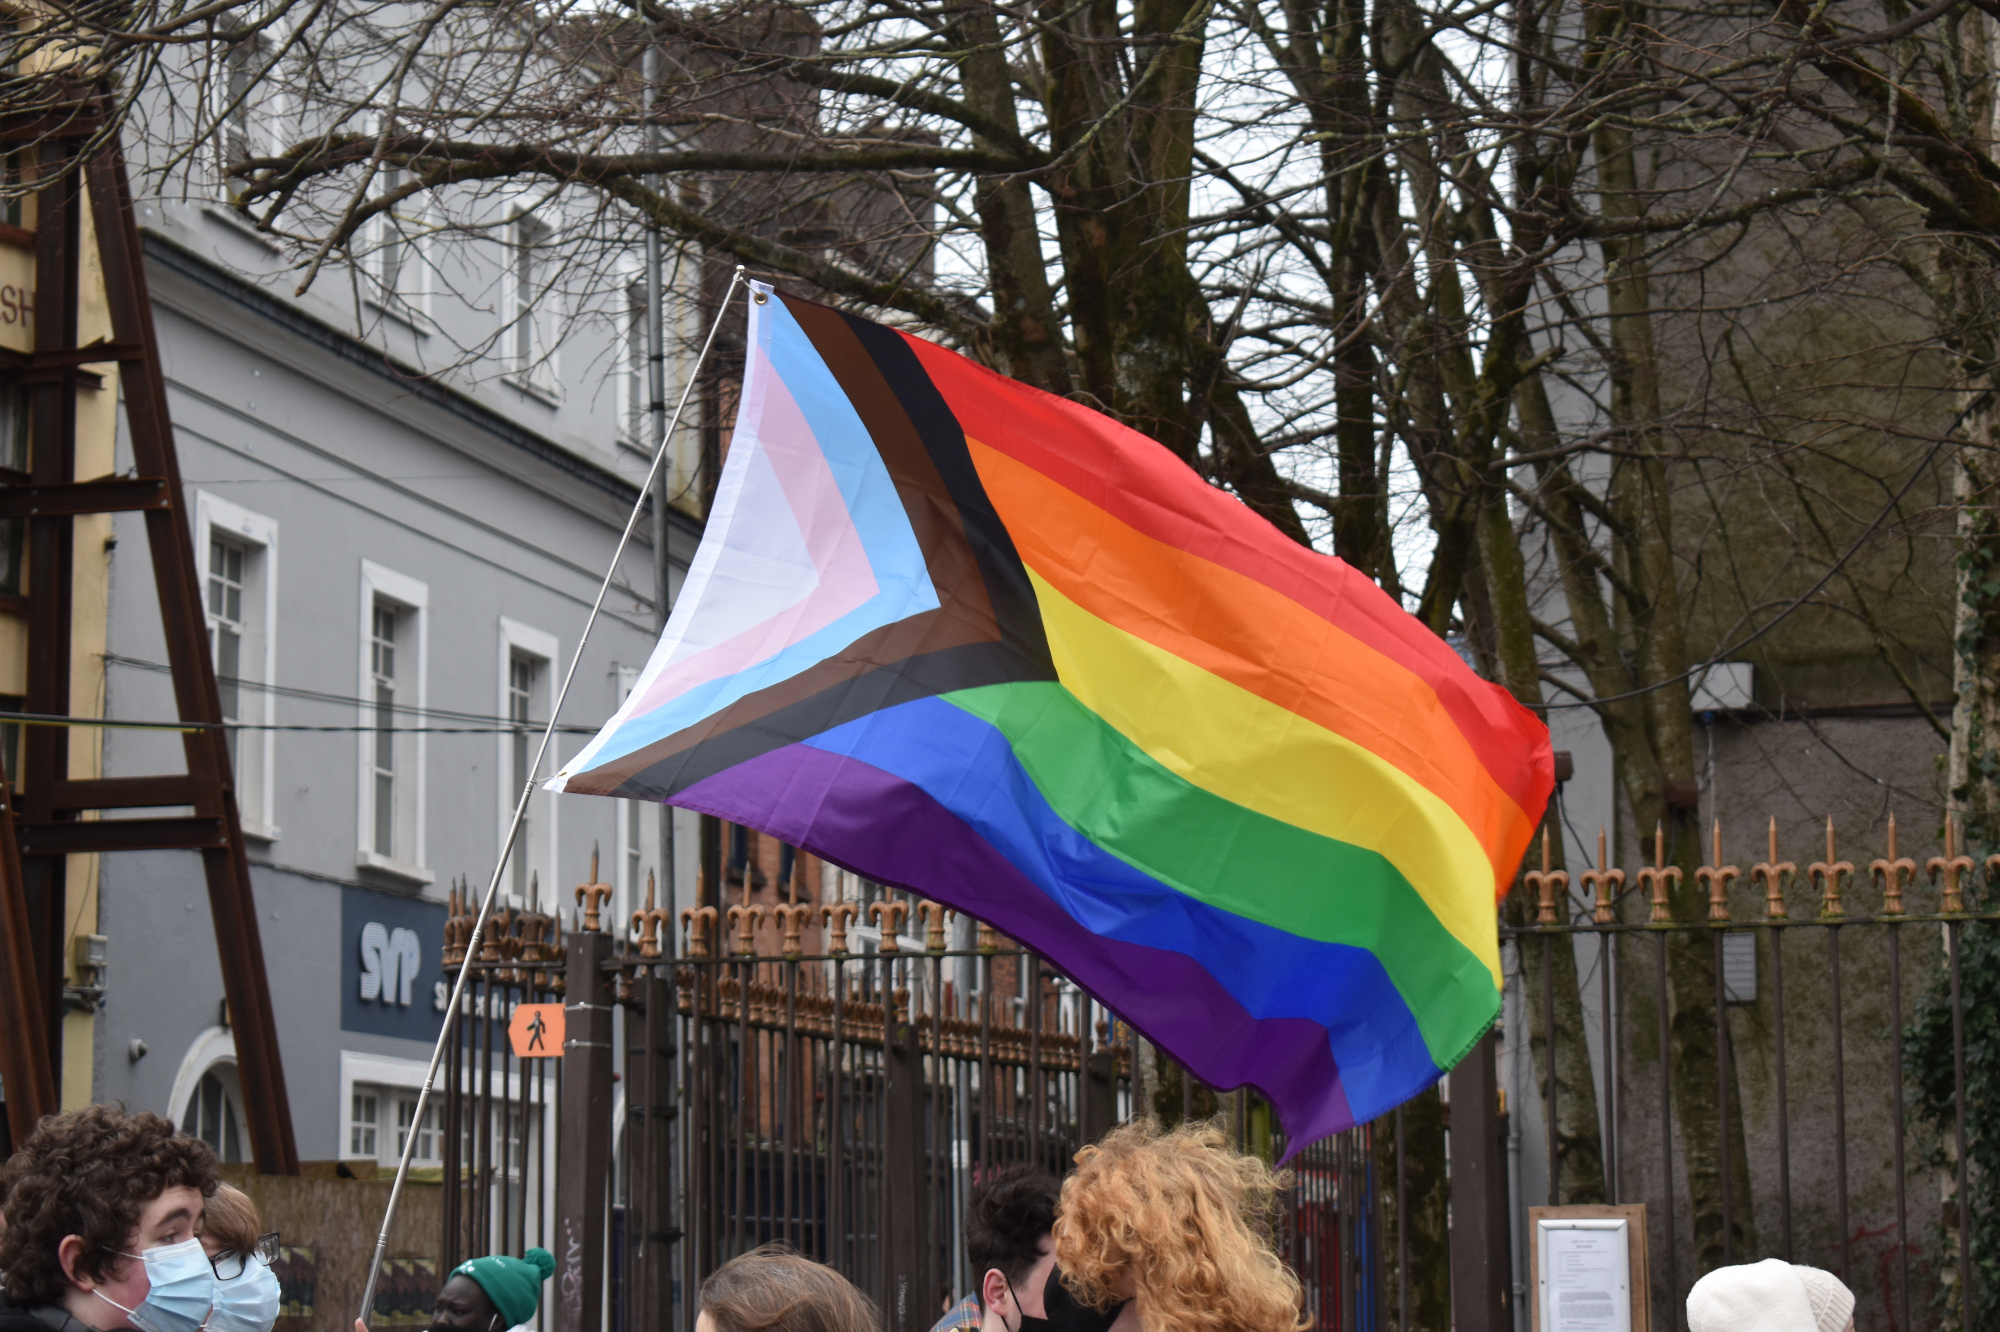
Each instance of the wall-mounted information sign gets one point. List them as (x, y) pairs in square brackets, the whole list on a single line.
[(1589, 1266)]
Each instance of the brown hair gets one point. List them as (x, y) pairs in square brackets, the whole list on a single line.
[(230, 1222), (89, 1173), (773, 1289), (1187, 1221), (1006, 1221)]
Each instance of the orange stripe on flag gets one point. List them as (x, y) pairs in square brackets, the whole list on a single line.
[(1253, 636)]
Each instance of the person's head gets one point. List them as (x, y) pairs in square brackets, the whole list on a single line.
[(493, 1293), (1771, 1296), (229, 1225), (89, 1191), (247, 1291), (773, 1289), (1007, 1243), (1179, 1224), (462, 1302)]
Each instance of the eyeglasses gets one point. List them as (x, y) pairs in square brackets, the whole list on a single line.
[(230, 1265)]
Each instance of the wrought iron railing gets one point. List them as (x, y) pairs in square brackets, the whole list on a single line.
[(1798, 986)]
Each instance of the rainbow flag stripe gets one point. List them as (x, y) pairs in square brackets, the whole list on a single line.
[(982, 643)]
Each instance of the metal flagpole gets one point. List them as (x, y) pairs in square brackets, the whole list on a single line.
[(521, 809), (656, 397)]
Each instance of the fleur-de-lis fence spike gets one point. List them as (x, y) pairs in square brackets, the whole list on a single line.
[(647, 922), (1892, 874), (743, 921), (1826, 876), (1659, 877), (839, 915), (1954, 867), (1775, 875), (1717, 877), (895, 911), (1602, 883), (1546, 884), (592, 896), (935, 915), (699, 923), (793, 918)]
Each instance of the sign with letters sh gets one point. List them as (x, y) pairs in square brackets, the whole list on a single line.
[(391, 977)]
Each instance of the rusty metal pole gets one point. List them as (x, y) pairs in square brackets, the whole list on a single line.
[(657, 1230), (225, 857), (583, 1141), (1479, 1266), (25, 1069), (907, 1295)]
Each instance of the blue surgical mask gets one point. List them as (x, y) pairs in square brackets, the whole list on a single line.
[(247, 1303), (183, 1289)]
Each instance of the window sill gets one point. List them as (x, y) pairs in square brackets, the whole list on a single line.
[(416, 321), (366, 859), (529, 389), (226, 215), (262, 832)]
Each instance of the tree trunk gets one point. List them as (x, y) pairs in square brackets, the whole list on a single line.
[(1579, 1163), (1026, 336), (1658, 726)]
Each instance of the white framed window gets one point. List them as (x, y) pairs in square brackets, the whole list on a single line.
[(633, 401), (378, 1099), (371, 1134), (206, 1100), (394, 631), (398, 263), (212, 1114), (238, 555), (364, 1120), (527, 661), (427, 1137), (234, 97), (533, 306)]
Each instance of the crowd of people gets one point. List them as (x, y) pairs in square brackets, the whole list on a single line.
[(113, 1222)]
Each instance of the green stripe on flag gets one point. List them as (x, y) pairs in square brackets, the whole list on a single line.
[(1236, 859)]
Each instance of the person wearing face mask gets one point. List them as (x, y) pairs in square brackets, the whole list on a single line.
[(102, 1209), (1007, 1241), (246, 1289)]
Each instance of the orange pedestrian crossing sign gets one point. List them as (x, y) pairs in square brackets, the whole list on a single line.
[(537, 1031)]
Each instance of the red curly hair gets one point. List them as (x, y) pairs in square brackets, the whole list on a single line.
[(89, 1173), (1183, 1222)]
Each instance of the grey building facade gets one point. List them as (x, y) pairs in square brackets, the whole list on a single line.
[(398, 565)]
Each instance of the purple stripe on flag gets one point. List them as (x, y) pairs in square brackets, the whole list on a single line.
[(835, 807)]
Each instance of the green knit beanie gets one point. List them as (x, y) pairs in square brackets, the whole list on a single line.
[(513, 1284)]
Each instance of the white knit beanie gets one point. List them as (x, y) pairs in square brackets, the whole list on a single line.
[(1771, 1296), (1832, 1301)]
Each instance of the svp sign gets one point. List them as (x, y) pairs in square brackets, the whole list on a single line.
[(391, 977)]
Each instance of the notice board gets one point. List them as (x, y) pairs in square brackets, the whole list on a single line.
[(1587, 1269)]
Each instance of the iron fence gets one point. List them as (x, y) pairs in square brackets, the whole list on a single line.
[(1750, 1072), (495, 1150), (844, 1101)]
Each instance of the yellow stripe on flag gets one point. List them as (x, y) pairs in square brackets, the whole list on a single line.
[(1248, 750)]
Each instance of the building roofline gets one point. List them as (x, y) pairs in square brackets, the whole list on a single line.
[(408, 380)]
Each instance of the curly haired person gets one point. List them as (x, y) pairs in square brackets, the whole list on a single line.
[(103, 1205), (1179, 1224), (1009, 1248)]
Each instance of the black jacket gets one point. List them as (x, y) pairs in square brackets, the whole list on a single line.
[(46, 1318)]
